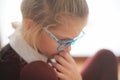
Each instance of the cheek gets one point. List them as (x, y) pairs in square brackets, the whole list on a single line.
[(47, 45)]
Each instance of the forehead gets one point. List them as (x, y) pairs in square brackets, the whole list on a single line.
[(70, 27)]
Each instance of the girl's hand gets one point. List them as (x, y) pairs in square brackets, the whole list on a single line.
[(66, 68)]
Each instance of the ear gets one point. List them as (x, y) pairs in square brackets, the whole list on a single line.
[(28, 23)]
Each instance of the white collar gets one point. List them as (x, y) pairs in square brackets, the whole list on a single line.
[(23, 49)]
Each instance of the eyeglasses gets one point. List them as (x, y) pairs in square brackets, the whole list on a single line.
[(63, 44)]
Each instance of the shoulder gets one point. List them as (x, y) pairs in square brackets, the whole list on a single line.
[(10, 63), (7, 53), (6, 49)]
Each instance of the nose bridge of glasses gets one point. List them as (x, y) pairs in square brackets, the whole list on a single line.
[(63, 47)]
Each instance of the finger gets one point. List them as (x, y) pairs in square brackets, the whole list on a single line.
[(62, 61), (67, 57), (61, 76), (59, 68)]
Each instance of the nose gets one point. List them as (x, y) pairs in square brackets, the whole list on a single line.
[(67, 50)]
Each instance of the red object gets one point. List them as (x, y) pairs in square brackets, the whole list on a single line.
[(38, 70)]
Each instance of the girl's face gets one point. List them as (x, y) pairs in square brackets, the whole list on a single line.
[(70, 29)]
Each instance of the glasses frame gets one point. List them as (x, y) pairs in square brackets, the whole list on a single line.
[(64, 43)]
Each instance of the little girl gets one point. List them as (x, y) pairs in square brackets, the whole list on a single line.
[(48, 29)]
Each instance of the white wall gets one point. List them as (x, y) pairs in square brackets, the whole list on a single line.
[(102, 30), (9, 12)]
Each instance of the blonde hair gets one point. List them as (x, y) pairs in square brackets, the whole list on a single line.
[(48, 12)]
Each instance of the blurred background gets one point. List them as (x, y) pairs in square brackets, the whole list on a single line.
[(102, 30)]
